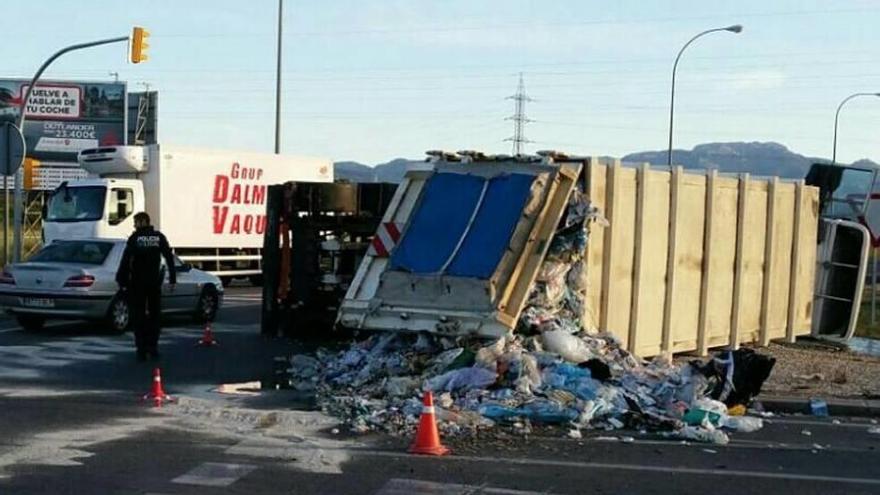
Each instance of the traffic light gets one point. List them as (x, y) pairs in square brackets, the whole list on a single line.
[(30, 170), (139, 44)]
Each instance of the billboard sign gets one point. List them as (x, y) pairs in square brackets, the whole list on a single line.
[(63, 118)]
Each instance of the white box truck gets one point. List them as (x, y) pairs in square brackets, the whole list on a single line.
[(209, 203)]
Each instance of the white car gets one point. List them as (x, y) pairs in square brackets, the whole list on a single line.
[(76, 280)]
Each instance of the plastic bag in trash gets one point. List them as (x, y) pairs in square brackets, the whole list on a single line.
[(399, 386), (598, 369), (568, 346), (497, 412), (744, 424), (443, 360), (739, 374), (705, 435), (568, 377), (462, 418), (462, 379), (698, 417), (547, 412), (558, 376), (711, 406), (818, 407), (530, 375), (487, 356), (706, 410), (553, 271), (352, 357)]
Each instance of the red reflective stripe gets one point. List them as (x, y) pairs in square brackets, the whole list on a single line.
[(379, 247), (393, 231)]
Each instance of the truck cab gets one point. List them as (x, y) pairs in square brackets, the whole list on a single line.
[(849, 227), (93, 208), (101, 207)]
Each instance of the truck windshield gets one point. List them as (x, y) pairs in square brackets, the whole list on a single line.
[(75, 204)]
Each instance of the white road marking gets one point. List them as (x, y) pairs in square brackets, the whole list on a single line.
[(734, 444), (214, 474), (50, 325), (398, 486), (792, 421), (632, 467)]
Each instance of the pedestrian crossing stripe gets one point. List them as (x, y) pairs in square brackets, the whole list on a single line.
[(398, 486), (214, 474)]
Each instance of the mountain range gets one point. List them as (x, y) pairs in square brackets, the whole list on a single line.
[(756, 158)]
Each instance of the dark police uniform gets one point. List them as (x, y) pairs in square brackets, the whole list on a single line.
[(140, 275)]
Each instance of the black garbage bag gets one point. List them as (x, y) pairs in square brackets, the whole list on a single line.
[(738, 375), (598, 369)]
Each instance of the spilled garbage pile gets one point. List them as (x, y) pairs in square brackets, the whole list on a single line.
[(552, 370), (376, 385)]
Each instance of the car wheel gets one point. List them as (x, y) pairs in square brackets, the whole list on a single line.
[(31, 323), (209, 302), (119, 315)]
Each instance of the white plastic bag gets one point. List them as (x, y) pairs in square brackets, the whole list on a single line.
[(570, 347), (744, 424)]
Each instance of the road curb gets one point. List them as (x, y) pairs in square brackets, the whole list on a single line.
[(836, 407)]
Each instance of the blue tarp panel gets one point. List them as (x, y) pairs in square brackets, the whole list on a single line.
[(493, 226), (441, 216)]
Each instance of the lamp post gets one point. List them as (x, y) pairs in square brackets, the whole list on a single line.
[(736, 28), (837, 116), (278, 84)]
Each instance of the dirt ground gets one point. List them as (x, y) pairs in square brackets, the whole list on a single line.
[(815, 369)]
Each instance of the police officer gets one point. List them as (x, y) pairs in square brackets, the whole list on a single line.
[(140, 277)]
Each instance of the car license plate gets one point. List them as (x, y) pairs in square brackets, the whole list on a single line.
[(36, 302)]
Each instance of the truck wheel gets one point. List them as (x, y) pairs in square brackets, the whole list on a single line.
[(31, 323), (256, 280), (206, 309), (119, 315)]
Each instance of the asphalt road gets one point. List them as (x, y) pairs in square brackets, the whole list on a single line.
[(71, 422)]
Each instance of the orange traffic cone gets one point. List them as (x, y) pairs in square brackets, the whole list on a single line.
[(427, 438), (157, 395), (207, 339)]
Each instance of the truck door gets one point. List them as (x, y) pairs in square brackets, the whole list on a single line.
[(120, 208)]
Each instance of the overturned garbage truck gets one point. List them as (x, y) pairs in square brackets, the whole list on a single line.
[(523, 290), (485, 245), (673, 260)]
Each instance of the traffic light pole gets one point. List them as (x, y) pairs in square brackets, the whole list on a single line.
[(19, 176)]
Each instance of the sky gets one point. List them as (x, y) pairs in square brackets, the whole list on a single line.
[(374, 80)]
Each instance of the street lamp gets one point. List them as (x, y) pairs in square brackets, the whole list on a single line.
[(138, 54), (736, 28), (837, 115), (278, 84)]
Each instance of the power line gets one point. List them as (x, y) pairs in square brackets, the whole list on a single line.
[(519, 117), (480, 25)]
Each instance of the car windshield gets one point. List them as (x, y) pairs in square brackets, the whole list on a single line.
[(71, 204), (80, 252)]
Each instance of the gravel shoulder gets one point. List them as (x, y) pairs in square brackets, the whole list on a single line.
[(810, 368)]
